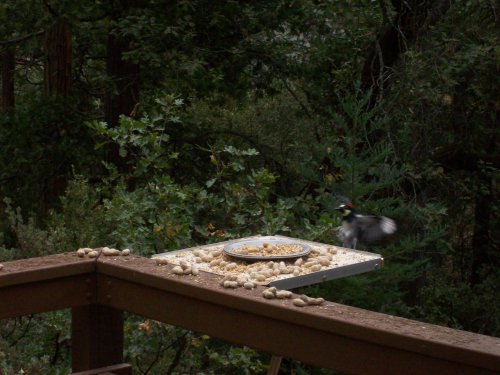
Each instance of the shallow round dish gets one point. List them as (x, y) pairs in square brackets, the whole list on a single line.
[(230, 249)]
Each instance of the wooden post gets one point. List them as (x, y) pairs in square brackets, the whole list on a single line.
[(274, 366), (97, 337)]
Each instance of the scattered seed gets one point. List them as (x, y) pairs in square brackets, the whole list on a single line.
[(110, 252), (161, 261), (195, 270), (268, 294), (230, 284), (305, 298), (206, 258), (177, 270), (309, 263), (315, 268), (312, 301), (323, 260), (215, 262), (228, 278), (216, 253), (248, 285), (268, 273), (260, 277), (299, 261), (242, 279), (282, 294), (316, 301), (299, 302), (198, 253), (93, 254), (231, 266)]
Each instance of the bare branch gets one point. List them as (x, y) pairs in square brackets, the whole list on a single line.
[(20, 39), (385, 15), (178, 353)]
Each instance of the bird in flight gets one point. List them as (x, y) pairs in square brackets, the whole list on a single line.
[(371, 230)]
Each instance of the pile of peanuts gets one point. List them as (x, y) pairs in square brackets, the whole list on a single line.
[(301, 301), (269, 249), (235, 281), (92, 253), (185, 268), (263, 272)]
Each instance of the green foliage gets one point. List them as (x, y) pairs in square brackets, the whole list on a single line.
[(31, 241), (144, 141), (38, 344), (161, 214), (47, 133), (160, 348), (454, 303), (364, 163), (80, 223)]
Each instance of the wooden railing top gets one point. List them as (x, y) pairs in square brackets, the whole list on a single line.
[(55, 266), (332, 335)]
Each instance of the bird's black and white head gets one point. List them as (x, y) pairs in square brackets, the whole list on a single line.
[(347, 209)]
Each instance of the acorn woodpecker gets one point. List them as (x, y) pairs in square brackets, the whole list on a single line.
[(370, 230)]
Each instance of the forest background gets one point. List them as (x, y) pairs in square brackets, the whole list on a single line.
[(158, 125)]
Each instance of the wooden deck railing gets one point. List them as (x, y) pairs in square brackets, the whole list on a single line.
[(335, 336)]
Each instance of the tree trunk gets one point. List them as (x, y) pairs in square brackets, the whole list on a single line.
[(58, 60), (8, 68), (57, 82), (120, 99), (123, 97)]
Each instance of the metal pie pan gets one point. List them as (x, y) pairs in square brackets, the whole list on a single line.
[(229, 249)]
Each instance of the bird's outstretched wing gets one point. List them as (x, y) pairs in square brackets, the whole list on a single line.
[(375, 229)]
